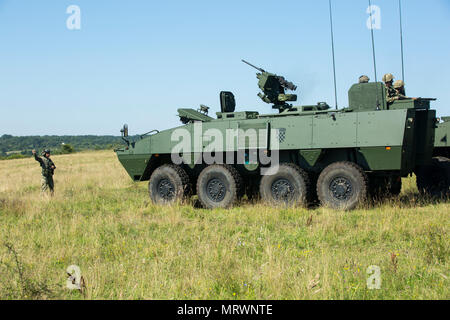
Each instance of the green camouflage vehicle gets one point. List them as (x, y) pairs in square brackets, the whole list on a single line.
[(292, 157)]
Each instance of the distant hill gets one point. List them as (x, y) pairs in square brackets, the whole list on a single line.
[(22, 145)]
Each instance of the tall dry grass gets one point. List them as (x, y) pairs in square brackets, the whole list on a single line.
[(127, 248)]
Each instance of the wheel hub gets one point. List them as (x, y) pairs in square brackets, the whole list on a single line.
[(282, 189), (215, 189), (166, 189), (341, 188)]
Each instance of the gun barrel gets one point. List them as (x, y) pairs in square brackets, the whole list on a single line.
[(251, 65)]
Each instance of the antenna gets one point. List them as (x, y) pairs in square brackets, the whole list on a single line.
[(332, 50), (373, 41), (373, 51), (401, 38)]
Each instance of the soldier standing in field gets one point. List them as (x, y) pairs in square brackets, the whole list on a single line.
[(48, 168)]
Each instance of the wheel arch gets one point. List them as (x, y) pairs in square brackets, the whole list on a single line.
[(154, 162)]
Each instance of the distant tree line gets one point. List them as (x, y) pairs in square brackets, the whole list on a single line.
[(13, 147)]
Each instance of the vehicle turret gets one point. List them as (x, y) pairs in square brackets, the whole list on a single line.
[(273, 88)]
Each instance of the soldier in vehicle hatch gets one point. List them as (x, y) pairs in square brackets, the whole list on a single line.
[(399, 87), (48, 169), (391, 94), (364, 79)]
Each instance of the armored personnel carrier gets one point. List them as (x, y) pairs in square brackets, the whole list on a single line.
[(339, 157)]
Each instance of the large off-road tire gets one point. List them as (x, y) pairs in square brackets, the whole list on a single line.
[(342, 185), (434, 180), (169, 184), (219, 186), (290, 186)]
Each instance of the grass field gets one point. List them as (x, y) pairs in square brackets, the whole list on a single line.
[(127, 248)]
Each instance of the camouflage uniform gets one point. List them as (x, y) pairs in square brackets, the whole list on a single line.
[(391, 93), (399, 87), (47, 173)]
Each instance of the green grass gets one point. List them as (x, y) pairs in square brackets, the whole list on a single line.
[(127, 248)]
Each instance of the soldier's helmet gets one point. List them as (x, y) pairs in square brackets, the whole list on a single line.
[(388, 77), (364, 79), (46, 151), (398, 84)]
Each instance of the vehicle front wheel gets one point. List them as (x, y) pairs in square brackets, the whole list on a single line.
[(219, 186), (289, 186), (342, 185), (169, 184)]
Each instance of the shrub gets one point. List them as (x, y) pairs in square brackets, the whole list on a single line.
[(15, 156), (67, 148)]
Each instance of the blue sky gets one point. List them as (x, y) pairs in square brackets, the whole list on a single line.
[(137, 61)]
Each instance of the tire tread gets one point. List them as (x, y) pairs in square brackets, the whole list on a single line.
[(364, 186)]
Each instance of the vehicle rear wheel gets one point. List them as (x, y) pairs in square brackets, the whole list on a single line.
[(434, 179), (169, 184), (219, 186), (342, 185), (290, 186)]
